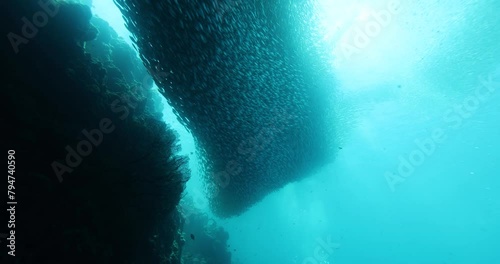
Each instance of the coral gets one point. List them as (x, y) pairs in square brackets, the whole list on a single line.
[(118, 203), (123, 64), (206, 242)]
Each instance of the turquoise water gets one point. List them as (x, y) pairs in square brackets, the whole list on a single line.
[(417, 88)]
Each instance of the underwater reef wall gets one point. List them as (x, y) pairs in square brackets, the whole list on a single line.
[(232, 72), (98, 179), (205, 241)]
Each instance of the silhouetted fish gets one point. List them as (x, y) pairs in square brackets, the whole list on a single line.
[(192, 236), (240, 81)]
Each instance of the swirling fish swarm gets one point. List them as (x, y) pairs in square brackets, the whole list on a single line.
[(233, 74)]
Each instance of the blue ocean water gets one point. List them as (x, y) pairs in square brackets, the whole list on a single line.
[(417, 92)]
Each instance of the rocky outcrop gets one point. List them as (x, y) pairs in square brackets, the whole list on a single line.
[(97, 177), (205, 241)]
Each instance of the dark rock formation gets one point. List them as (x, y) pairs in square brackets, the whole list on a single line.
[(231, 70), (97, 175), (123, 64), (206, 242)]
